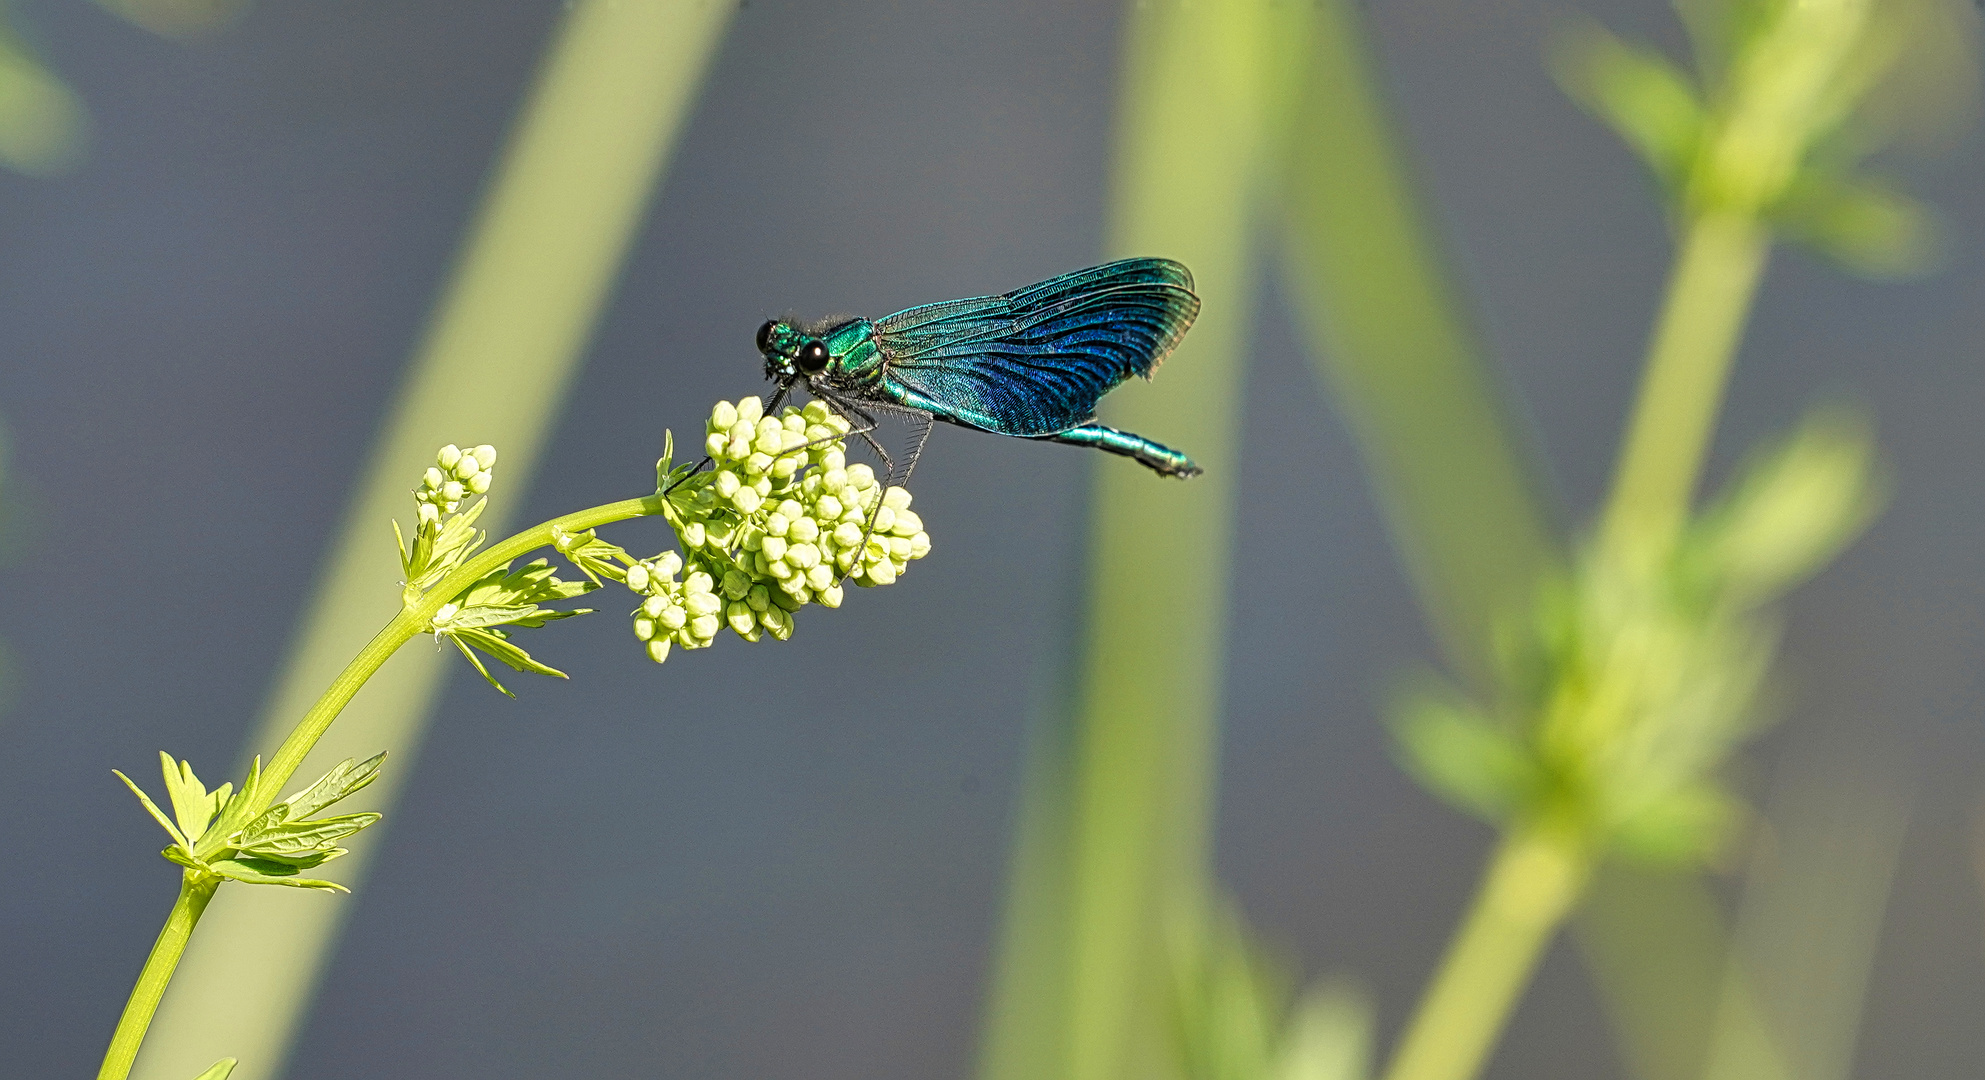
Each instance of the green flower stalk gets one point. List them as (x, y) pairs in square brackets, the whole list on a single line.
[(1637, 672), (779, 521)]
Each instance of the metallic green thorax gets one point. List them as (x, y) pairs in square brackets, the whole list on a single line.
[(854, 358)]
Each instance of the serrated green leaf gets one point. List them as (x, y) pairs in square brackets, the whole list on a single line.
[(341, 782), (190, 805), (291, 841), (152, 808), (265, 872), (219, 1070), (501, 647), (476, 662), (1864, 226), (1645, 97), (1464, 756)]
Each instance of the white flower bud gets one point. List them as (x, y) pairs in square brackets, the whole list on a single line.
[(667, 563), (433, 477), (740, 617), (747, 499), (828, 508), (860, 475), (885, 519), (803, 529), (830, 597), (485, 455), (839, 423), (834, 459), (726, 483), (701, 604), (658, 650), (479, 483), (919, 545), (693, 535), (738, 449), (786, 466), (736, 584), (777, 523), (882, 572), (793, 420), (714, 444), (896, 498), (757, 463), (848, 534), (703, 627), (775, 546), (819, 577), (644, 628), (749, 410), (804, 556), (816, 411), (723, 416), (428, 513), (699, 581), (637, 577), (899, 547), (453, 491), (448, 456), (672, 618)]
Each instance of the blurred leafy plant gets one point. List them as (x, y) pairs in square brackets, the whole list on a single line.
[(1626, 693), (1779, 117), (1635, 672), (1235, 1016)]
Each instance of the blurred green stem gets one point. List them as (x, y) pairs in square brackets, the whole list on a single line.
[(1116, 826), (1531, 883), (196, 889), (1388, 337), (1702, 320)]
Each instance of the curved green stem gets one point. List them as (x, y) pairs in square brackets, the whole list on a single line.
[(196, 888), (1531, 884), (410, 622)]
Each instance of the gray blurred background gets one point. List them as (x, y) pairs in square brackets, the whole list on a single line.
[(788, 863)]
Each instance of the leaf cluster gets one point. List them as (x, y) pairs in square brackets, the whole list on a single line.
[(476, 620), (219, 832), (1776, 119), (1622, 694)]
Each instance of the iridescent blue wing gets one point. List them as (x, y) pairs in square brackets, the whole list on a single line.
[(1036, 361)]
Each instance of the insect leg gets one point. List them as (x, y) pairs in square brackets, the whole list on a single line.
[(700, 466)]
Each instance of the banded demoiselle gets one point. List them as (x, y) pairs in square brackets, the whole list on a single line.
[(1031, 363)]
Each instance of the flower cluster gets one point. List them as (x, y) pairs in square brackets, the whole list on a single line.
[(778, 523), (455, 475)]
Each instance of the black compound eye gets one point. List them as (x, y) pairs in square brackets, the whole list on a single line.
[(812, 358), (765, 337)]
